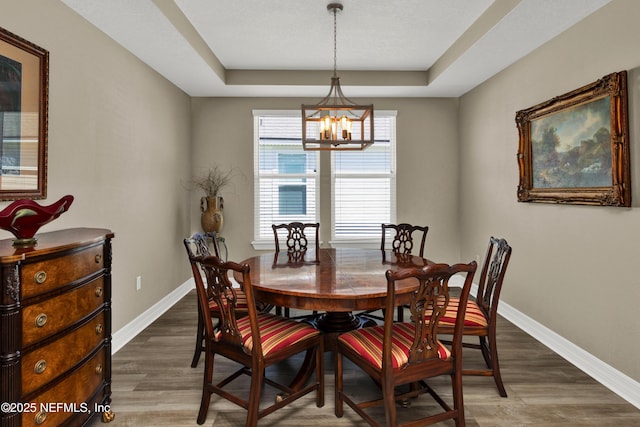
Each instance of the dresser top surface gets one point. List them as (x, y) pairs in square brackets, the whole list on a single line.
[(53, 241)]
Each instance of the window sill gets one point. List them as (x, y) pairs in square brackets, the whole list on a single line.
[(356, 243), (263, 245)]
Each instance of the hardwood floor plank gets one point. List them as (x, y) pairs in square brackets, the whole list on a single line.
[(154, 385)]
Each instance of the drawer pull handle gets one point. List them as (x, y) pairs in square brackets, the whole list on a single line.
[(98, 292), (98, 258), (40, 277), (99, 329), (40, 417), (41, 320), (99, 369), (40, 367)]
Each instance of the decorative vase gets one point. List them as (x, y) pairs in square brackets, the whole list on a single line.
[(211, 208), (23, 218)]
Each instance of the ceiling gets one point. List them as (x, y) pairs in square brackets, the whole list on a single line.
[(405, 48)]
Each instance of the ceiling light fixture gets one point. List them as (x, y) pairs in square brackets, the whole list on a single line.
[(336, 122)]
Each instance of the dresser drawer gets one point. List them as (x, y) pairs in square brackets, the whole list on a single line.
[(47, 363), (75, 391), (48, 317), (46, 275)]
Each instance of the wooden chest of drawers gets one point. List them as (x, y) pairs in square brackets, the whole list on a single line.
[(55, 329)]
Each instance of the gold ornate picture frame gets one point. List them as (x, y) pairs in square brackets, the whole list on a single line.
[(574, 148), (24, 88)]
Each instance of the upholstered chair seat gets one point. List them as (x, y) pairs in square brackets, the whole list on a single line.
[(368, 343), (276, 333)]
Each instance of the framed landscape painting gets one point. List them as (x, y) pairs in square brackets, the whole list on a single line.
[(574, 148)]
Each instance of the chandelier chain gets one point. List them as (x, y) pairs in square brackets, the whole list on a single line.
[(335, 44)]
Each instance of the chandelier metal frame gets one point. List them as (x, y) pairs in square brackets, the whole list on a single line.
[(336, 122)]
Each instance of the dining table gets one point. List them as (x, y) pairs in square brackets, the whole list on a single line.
[(336, 282)]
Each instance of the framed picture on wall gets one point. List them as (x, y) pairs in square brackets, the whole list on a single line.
[(24, 85), (574, 148)]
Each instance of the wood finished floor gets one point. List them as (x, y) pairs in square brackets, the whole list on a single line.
[(154, 385)]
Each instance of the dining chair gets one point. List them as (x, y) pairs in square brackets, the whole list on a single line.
[(255, 341), (481, 315), (402, 242), (296, 236), (205, 244), (407, 353)]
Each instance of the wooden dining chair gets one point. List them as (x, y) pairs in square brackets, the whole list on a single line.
[(403, 238), (296, 239), (205, 244), (406, 354), (402, 242), (255, 341), (296, 236), (481, 315)]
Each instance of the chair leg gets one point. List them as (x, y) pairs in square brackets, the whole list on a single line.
[(389, 401), (339, 411), (320, 376), (401, 313), (495, 365), (199, 339), (486, 352), (257, 379), (206, 391), (458, 403)]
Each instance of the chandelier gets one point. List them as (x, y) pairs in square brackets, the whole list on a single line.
[(336, 122)]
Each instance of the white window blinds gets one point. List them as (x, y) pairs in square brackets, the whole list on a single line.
[(363, 184), (286, 177), (287, 181)]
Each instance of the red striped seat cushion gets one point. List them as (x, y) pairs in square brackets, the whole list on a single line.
[(368, 343), (240, 305), (473, 317), (276, 332)]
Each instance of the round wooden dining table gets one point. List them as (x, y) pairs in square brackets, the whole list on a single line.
[(335, 282)]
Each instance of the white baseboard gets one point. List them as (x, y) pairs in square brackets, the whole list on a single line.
[(616, 381), (125, 334)]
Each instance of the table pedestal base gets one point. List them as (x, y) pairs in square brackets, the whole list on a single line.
[(332, 324), (341, 322)]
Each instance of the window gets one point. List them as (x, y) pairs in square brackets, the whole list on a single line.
[(287, 181), (363, 187), (285, 178)]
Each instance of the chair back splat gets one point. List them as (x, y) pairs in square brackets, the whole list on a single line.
[(400, 354), (403, 240), (297, 238)]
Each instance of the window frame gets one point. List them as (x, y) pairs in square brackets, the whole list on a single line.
[(266, 243)]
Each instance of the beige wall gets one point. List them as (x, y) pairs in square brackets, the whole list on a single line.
[(119, 142), (572, 267), (427, 158)]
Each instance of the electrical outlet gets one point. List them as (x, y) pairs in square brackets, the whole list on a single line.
[(138, 283)]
